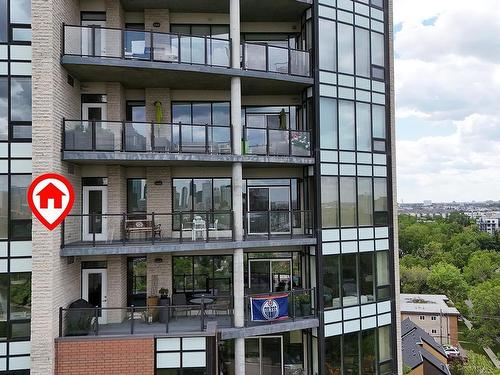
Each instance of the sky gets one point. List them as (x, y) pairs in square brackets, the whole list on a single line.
[(447, 80)]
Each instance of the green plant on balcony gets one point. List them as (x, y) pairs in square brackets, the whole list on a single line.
[(302, 304)]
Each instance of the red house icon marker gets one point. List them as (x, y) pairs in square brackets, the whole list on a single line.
[(50, 192)]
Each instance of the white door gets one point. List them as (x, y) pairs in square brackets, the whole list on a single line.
[(94, 290), (89, 38), (95, 208)]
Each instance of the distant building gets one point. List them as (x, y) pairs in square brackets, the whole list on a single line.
[(421, 353), (489, 223), (427, 203), (434, 313)]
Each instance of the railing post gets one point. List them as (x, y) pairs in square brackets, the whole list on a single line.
[(293, 304), (267, 58), (93, 40), (122, 147), (206, 139), (180, 137), (203, 313), (122, 34), (231, 221), (132, 319), (124, 228), (62, 233), (63, 135), (152, 137), (60, 322), (153, 232), (207, 223), (290, 220), (96, 317), (269, 225), (93, 127), (167, 317), (289, 60), (151, 46), (290, 141), (92, 219)]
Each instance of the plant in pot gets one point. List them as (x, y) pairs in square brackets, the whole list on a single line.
[(164, 302), (153, 299), (302, 304)]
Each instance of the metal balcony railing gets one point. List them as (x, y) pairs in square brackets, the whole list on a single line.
[(277, 142), (300, 304), (106, 42), (81, 135), (130, 44), (277, 224)]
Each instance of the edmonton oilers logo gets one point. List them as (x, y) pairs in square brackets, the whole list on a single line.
[(270, 309)]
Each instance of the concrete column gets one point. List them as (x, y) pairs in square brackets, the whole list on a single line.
[(237, 174)]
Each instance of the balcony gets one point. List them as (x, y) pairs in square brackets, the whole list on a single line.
[(193, 316), (141, 59), (122, 233), (156, 142)]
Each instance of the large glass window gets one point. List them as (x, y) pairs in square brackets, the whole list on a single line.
[(349, 280), (20, 296), (331, 283), (351, 353), (4, 204), (378, 54), (384, 343), (345, 49), (19, 209), (346, 125), (348, 202), (201, 113), (362, 52), (333, 350), (363, 127), (3, 21), (20, 11), (211, 274), (328, 123), (4, 108), (327, 55), (383, 275), (136, 195), (378, 115), (368, 352), (380, 201), (366, 280), (365, 201), (329, 202), (20, 97), (4, 297)]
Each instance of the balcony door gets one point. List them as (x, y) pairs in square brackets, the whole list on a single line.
[(94, 290), (96, 112), (93, 39), (269, 210), (264, 355), (269, 275), (95, 205)]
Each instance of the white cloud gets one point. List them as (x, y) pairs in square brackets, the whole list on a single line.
[(448, 70)]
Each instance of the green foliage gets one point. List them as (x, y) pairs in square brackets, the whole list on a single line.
[(414, 279), (446, 279), (478, 365), (485, 311), (482, 265)]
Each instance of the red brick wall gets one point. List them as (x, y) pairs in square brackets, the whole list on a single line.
[(109, 356)]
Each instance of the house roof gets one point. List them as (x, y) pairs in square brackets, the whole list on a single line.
[(414, 353), (427, 304)]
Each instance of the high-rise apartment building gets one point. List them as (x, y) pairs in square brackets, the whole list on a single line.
[(233, 167)]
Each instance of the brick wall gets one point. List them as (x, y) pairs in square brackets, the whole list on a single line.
[(117, 287), (162, 16), (130, 356)]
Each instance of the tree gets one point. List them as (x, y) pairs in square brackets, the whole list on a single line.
[(414, 279), (485, 311), (482, 265), (478, 364), (446, 279), (459, 218)]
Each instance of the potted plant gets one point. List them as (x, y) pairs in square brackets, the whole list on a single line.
[(164, 302), (302, 304), (153, 299), (148, 316)]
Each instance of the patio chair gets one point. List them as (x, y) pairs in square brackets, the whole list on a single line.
[(214, 227), (179, 299)]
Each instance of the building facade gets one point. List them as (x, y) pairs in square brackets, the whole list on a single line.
[(233, 165), (434, 313)]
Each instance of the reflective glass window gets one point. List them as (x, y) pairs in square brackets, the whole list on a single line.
[(349, 280), (348, 202), (345, 49), (329, 202), (20, 99), (346, 125), (365, 201), (331, 283), (327, 42), (328, 123), (362, 52), (380, 201)]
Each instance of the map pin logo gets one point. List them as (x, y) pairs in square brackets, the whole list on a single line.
[(51, 197)]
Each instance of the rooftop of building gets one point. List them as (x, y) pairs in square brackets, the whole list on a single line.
[(427, 304), (412, 339)]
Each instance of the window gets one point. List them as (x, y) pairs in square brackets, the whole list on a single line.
[(203, 274), (328, 123), (349, 280), (4, 214), (383, 275), (363, 127), (433, 318), (380, 201), (20, 213), (327, 51), (331, 284), (368, 352), (4, 108), (351, 353), (20, 11), (136, 195), (20, 296), (366, 280), (365, 201), (20, 111), (215, 31), (333, 355), (362, 52), (346, 125), (329, 202), (345, 49), (201, 113), (4, 296), (136, 111), (21, 34), (348, 217), (378, 54), (421, 317), (197, 196), (384, 343), (3, 21), (378, 118), (433, 331)]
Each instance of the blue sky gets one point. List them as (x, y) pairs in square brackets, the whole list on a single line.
[(447, 79)]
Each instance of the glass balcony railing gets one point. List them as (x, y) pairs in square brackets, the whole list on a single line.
[(268, 58), (96, 41), (124, 136), (81, 135)]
